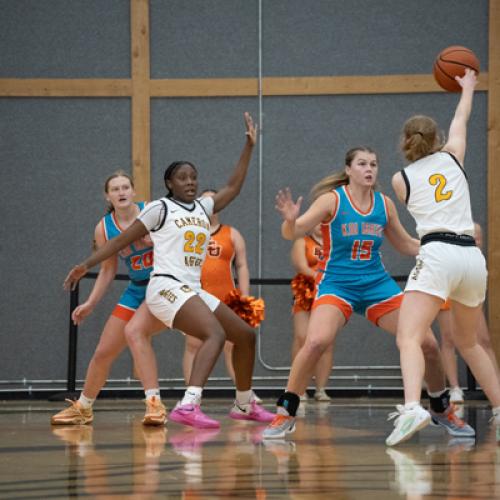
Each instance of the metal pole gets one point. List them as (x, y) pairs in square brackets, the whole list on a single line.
[(73, 337), (471, 381)]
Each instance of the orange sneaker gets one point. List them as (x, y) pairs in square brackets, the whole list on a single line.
[(73, 415), (156, 413)]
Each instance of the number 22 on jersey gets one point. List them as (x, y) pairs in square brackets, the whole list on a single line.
[(439, 180), (194, 243)]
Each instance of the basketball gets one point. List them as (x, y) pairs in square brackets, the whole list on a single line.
[(452, 62)]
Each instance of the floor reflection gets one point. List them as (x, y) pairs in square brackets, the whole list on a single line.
[(337, 451)]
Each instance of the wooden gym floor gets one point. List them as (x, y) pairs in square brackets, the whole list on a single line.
[(336, 452)]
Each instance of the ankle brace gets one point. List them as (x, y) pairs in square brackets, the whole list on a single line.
[(290, 402)]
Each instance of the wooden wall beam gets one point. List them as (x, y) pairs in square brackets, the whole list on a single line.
[(494, 174), (58, 87), (141, 113), (220, 87), (341, 85), (283, 86)]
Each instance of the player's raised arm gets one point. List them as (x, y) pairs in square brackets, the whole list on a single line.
[(228, 193)]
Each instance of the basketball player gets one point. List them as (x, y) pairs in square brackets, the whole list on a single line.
[(306, 253), (355, 218), (179, 226), (138, 257), (449, 265), (448, 353), (225, 250), (448, 347)]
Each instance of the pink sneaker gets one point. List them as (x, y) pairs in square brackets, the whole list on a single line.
[(193, 416), (192, 440), (251, 411)]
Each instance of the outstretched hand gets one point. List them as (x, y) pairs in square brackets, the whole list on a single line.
[(74, 276), (81, 312), (285, 205), (251, 129), (468, 80)]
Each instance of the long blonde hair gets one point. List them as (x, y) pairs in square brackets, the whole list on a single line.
[(339, 178), (114, 175), (420, 137)]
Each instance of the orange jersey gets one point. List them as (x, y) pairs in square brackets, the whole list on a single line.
[(217, 273), (313, 251)]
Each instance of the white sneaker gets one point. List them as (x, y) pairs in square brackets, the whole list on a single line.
[(407, 423), (495, 417), (456, 395), (412, 477), (321, 395), (279, 427)]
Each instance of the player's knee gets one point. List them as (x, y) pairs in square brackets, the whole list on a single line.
[(314, 347), (430, 348), (485, 343), (133, 334), (251, 337), (404, 341), (244, 335), (463, 344), (192, 345), (103, 356), (447, 342), (216, 335)]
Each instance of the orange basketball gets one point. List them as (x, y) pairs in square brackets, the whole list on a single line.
[(451, 62)]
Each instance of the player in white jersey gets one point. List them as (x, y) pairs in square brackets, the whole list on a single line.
[(179, 226), (434, 188)]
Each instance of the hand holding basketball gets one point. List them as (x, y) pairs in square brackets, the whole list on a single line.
[(452, 62), (468, 80)]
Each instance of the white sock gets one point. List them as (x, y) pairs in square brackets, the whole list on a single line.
[(244, 397), (412, 405), (436, 394), (192, 396), (85, 402), (281, 411), (152, 392)]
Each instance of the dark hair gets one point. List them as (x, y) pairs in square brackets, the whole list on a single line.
[(114, 175), (170, 171)]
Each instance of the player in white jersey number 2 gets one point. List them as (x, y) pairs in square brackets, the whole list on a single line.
[(434, 188), (179, 226)]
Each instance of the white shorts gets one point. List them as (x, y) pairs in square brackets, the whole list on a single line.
[(450, 271), (165, 296)]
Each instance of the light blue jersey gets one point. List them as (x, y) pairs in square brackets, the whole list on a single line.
[(138, 256), (352, 238), (351, 275)]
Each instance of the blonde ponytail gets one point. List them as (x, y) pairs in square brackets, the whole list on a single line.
[(420, 138)]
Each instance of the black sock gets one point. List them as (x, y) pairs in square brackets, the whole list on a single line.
[(290, 402), (441, 403)]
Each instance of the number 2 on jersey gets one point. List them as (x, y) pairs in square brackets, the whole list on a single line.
[(439, 180), (361, 250), (190, 246)]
